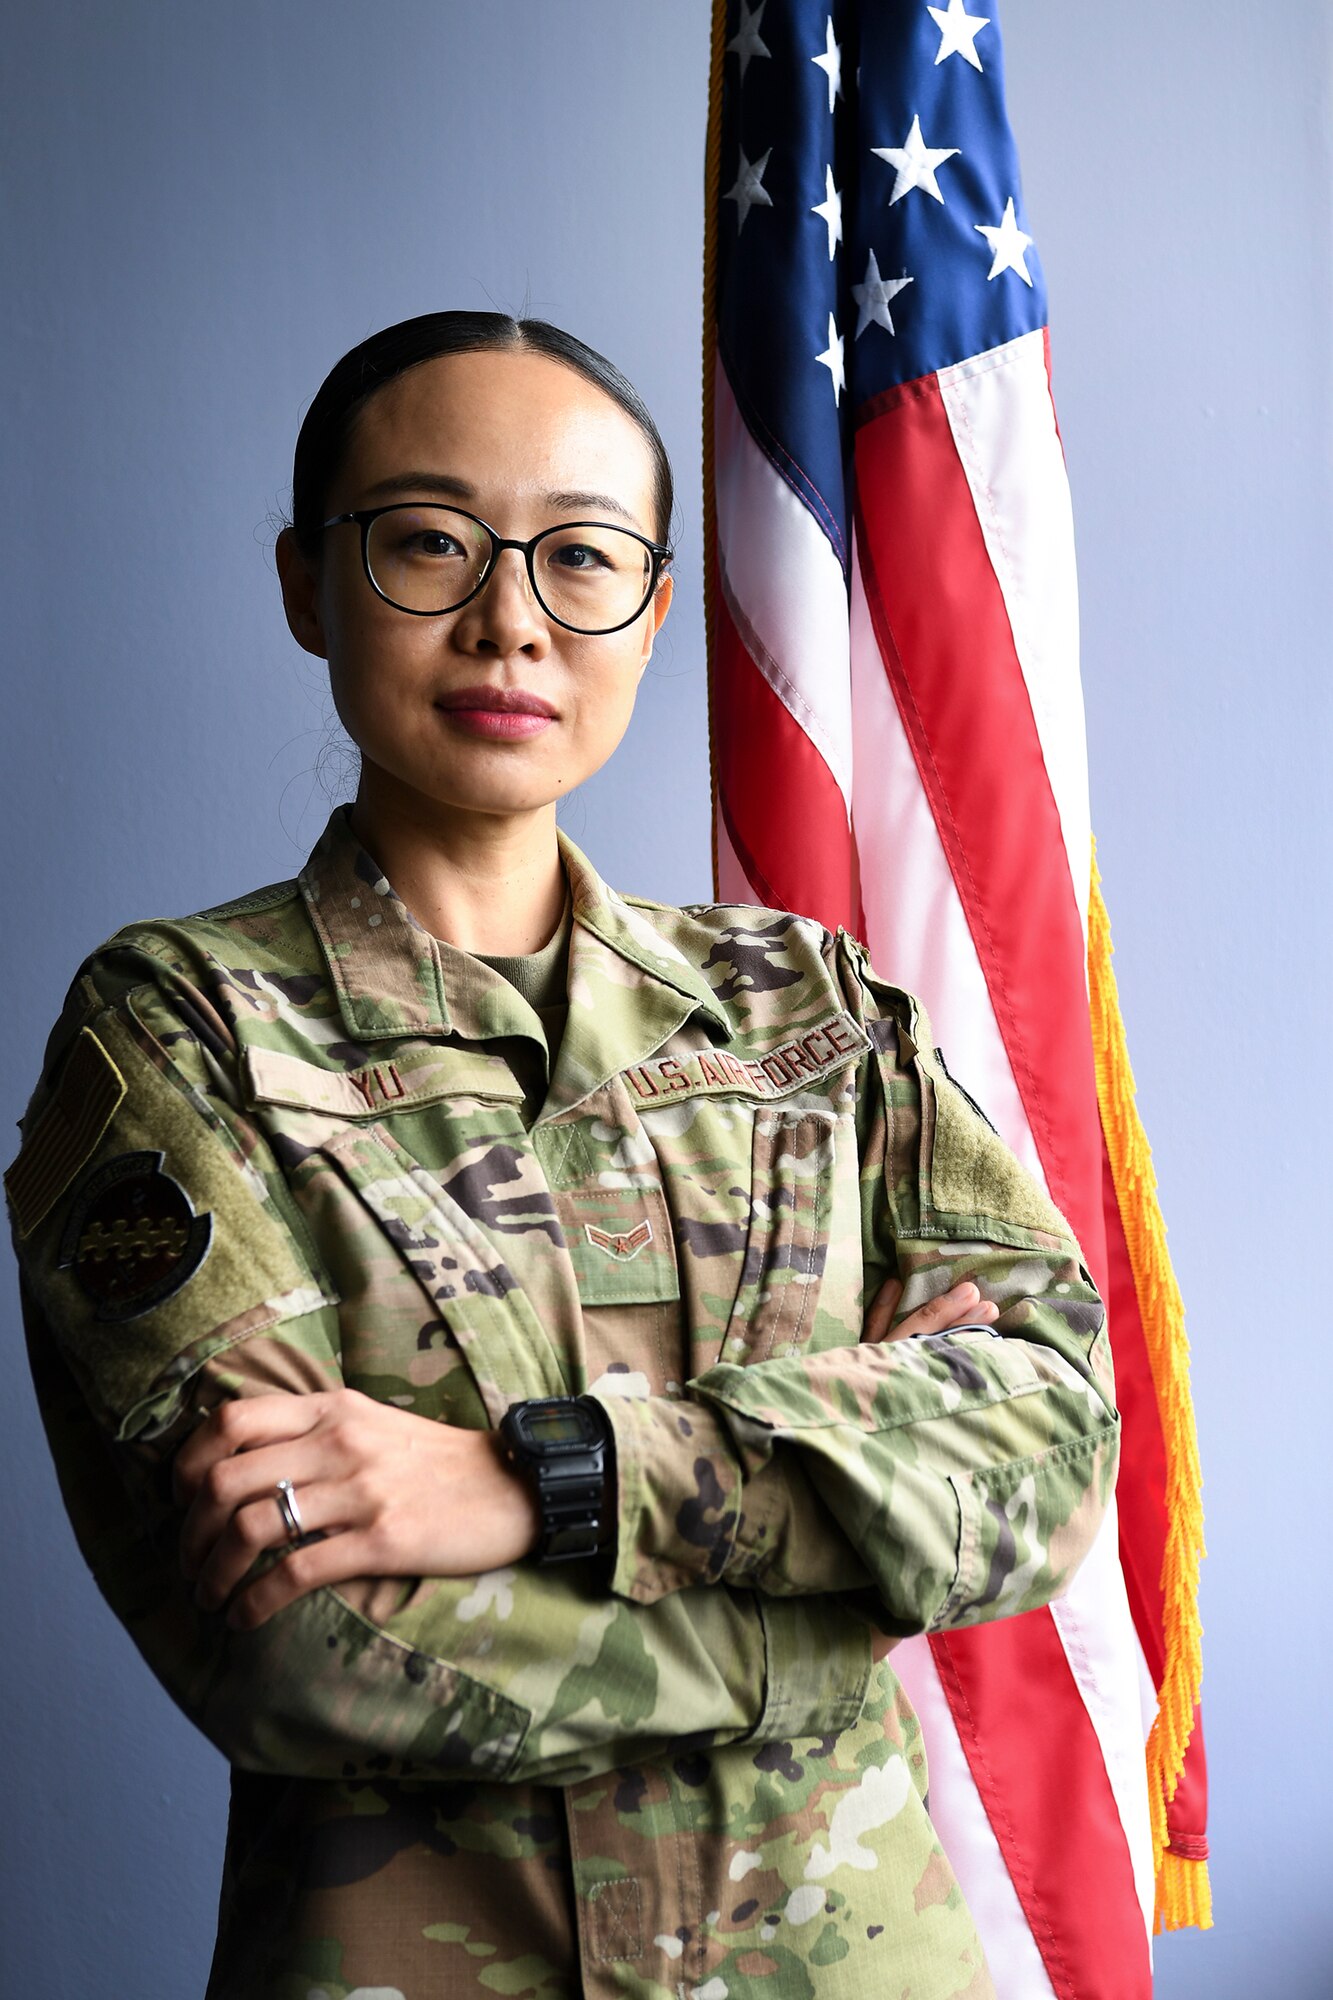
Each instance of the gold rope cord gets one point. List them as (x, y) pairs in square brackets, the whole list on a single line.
[(1184, 1896)]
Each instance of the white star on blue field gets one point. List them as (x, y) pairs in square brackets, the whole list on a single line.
[(871, 227)]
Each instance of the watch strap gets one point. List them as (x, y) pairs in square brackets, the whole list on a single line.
[(574, 1489)]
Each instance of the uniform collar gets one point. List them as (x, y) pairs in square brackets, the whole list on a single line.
[(391, 977)]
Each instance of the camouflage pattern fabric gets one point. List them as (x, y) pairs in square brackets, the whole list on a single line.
[(283, 1144)]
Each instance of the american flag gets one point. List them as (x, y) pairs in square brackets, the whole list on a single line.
[(898, 746)]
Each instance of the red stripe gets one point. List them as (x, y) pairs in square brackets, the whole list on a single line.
[(784, 813), (943, 632), (1141, 1490), (1050, 382), (1010, 1688), (1141, 1499), (944, 635), (1037, 1764), (1187, 1814)]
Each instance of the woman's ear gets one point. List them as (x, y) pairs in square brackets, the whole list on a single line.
[(299, 578), (661, 605)]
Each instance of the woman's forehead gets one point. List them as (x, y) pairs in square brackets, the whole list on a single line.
[(509, 416)]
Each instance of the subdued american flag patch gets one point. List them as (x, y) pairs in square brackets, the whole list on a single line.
[(63, 1137)]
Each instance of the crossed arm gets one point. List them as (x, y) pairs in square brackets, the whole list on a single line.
[(390, 1493), (934, 1477)]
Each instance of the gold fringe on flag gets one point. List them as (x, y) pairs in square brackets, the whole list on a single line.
[(1183, 1897)]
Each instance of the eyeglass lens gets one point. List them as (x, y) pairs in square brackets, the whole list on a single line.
[(429, 559)]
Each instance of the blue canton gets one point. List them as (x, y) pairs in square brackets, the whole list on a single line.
[(868, 241)]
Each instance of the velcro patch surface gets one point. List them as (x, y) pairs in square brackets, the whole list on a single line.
[(84, 1101), (133, 1237)]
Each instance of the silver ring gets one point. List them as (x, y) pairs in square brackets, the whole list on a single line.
[(289, 1510)]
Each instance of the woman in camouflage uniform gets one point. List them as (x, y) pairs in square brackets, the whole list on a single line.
[(517, 1356)]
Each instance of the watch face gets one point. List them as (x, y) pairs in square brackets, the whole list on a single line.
[(558, 1425)]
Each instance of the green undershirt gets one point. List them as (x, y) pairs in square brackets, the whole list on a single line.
[(541, 977)]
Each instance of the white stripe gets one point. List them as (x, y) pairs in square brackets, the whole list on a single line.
[(1097, 1631), (1003, 425), (916, 926), (919, 937), (1003, 422), (965, 1834), (784, 587)]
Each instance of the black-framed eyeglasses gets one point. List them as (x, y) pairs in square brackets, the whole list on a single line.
[(589, 576)]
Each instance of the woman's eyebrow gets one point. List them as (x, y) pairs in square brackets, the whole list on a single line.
[(602, 500), (422, 482), (447, 487)]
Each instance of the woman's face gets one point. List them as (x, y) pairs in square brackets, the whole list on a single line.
[(525, 443)]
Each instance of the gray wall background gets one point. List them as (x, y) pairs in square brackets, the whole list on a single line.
[(200, 208)]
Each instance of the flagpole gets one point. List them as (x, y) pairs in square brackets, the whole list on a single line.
[(712, 173)]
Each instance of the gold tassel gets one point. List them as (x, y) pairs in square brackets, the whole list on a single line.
[(1183, 1893)]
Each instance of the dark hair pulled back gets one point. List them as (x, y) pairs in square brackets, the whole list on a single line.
[(367, 368)]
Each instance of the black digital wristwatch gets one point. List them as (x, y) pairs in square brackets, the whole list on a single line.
[(564, 1447)]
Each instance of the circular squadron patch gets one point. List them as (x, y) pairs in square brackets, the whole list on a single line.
[(133, 1237)]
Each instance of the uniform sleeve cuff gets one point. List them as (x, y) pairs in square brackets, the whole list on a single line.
[(678, 1484), (819, 1663)]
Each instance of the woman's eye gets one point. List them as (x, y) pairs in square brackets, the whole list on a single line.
[(581, 555), (432, 543)]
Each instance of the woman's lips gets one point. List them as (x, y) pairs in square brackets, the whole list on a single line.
[(499, 713), (498, 722)]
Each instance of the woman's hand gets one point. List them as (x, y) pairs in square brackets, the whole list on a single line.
[(386, 1493), (963, 1306)]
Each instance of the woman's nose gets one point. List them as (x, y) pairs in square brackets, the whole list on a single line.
[(505, 615)]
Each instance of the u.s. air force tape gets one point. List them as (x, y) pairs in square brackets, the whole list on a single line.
[(132, 1238)]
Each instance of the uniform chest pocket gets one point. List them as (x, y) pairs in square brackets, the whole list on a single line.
[(458, 1264), (620, 1244), (787, 1242), (751, 1189)]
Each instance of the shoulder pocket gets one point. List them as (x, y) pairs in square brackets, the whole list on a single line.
[(969, 1177), (966, 1179), (163, 1248)]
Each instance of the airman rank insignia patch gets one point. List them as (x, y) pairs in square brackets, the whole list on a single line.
[(623, 1248), (133, 1238)]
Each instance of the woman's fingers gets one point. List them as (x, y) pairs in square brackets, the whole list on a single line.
[(402, 1495), (334, 1559), (326, 1509), (962, 1305), (231, 1486), (242, 1424), (880, 1316), (244, 1448)]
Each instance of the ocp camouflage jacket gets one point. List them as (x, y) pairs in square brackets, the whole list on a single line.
[(279, 1145)]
